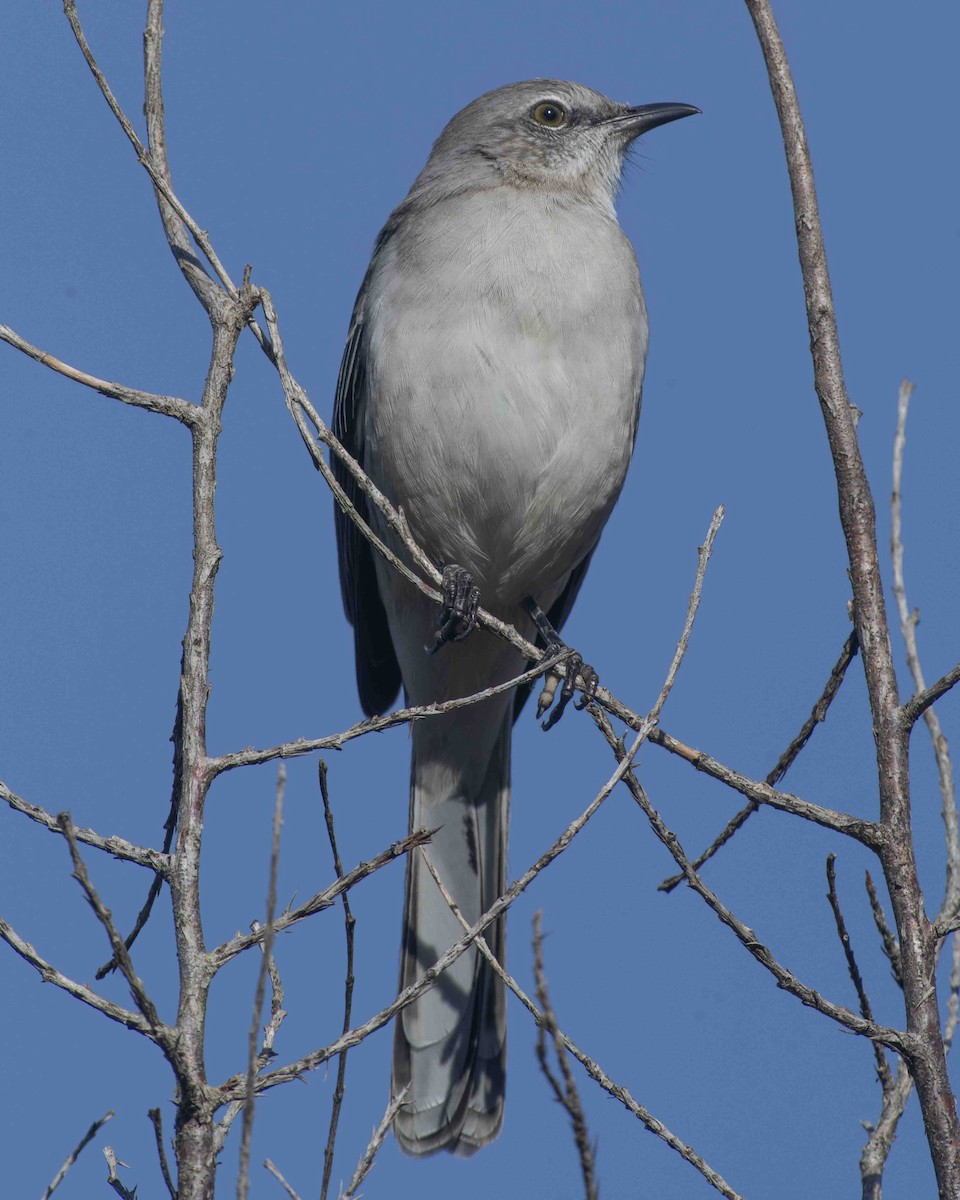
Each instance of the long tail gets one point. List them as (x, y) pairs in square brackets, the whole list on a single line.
[(450, 1045)]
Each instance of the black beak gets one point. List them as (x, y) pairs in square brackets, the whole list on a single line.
[(645, 117)]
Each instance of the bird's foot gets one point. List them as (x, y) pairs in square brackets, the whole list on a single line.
[(458, 613), (564, 674)]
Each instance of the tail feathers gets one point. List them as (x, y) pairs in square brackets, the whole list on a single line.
[(450, 1044)]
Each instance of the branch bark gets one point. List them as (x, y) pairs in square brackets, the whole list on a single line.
[(923, 1043)]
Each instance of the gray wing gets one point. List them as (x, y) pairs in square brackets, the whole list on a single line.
[(378, 672)]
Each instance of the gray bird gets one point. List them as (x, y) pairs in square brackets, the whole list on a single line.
[(490, 387)]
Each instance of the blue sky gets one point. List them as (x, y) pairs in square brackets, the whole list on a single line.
[(292, 134)]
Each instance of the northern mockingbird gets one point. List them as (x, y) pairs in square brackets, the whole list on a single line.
[(490, 387)]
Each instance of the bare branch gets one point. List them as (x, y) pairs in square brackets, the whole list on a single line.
[(157, 168), (353, 1037), (104, 916), (174, 226), (922, 1039), (818, 713), (401, 716), (266, 946), (119, 847), (874, 1155), (566, 1093), (275, 1172), (785, 979), (593, 1069), (142, 917), (49, 974), (349, 922), (113, 1162), (373, 1146), (167, 406), (942, 928), (243, 941), (784, 762), (891, 946), (866, 1011), (953, 999), (75, 1154), (169, 829), (924, 697), (861, 830), (229, 311), (921, 703), (298, 404), (264, 1055), (157, 1122), (703, 558)]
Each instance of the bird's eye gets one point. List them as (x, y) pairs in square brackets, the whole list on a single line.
[(551, 114)]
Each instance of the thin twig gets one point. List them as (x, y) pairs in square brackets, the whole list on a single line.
[(142, 917), (75, 1154), (169, 829), (866, 1010), (593, 1069), (118, 847), (155, 163), (566, 1092), (908, 631), (401, 716), (167, 406), (80, 991), (232, 1088), (243, 941), (703, 558), (858, 828), (373, 1146), (269, 933), (877, 1148), (275, 1172), (104, 916), (349, 923), (747, 937), (115, 1182), (921, 703), (891, 947), (784, 762), (953, 1000), (265, 1053), (875, 1152), (156, 1121)]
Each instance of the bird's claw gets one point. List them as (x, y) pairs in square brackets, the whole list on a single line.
[(566, 673), (458, 613)]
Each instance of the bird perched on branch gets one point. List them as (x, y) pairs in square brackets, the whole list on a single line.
[(490, 387)]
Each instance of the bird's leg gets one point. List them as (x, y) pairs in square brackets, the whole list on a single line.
[(565, 672), (458, 613)]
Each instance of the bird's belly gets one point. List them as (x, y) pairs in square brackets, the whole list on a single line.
[(506, 449)]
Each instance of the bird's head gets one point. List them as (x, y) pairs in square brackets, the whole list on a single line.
[(544, 133)]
